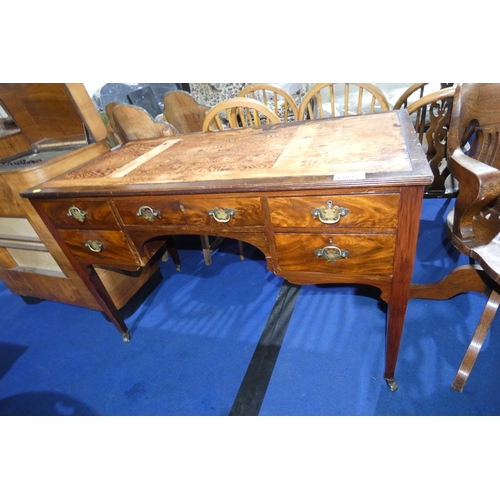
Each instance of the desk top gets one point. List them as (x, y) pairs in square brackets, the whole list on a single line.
[(364, 150)]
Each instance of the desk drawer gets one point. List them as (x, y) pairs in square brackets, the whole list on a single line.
[(164, 211), (226, 211), (148, 211), (80, 213), (370, 211), (110, 247), (367, 254)]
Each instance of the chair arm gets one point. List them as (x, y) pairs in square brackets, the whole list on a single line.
[(479, 184)]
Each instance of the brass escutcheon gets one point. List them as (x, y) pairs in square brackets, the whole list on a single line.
[(329, 215), (148, 213), (94, 245), (77, 214), (222, 214), (331, 253)]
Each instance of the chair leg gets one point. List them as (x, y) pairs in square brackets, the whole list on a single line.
[(207, 252), (476, 342), (172, 250), (240, 247), (209, 248)]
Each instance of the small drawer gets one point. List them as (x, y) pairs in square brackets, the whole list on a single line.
[(223, 211), (350, 254), (80, 213), (150, 211), (368, 211), (99, 247)]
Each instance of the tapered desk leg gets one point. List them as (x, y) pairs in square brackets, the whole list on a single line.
[(107, 304), (410, 207), (394, 330)]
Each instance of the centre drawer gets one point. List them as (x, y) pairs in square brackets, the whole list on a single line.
[(223, 211), (349, 254), (99, 247), (367, 210), (191, 210), (80, 213)]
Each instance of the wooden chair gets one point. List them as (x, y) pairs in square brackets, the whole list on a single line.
[(344, 99), (415, 92), (183, 112), (276, 99), (132, 123), (474, 223), (431, 116), (238, 112), (111, 122)]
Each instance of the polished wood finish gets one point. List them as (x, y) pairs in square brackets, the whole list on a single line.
[(368, 254), (263, 186), (279, 100), (474, 224), (477, 341), (415, 91), (350, 96), (466, 278), (372, 211), (432, 115), (238, 112), (59, 120), (183, 112)]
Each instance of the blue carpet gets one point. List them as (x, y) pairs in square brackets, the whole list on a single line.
[(191, 343), (194, 337)]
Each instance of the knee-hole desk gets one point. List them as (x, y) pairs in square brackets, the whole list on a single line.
[(327, 201)]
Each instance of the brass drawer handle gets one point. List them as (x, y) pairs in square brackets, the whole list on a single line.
[(148, 213), (331, 253), (329, 215), (94, 245), (77, 214), (222, 214)]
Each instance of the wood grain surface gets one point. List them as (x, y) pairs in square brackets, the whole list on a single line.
[(287, 153)]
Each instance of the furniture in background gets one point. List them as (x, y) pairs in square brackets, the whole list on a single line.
[(183, 112), (239, 112), (341, 99), (431, 116), (148, 96), (276, 99), (326, 201), (133, 123), (113, 137), (474, 223), (51, 128), (416, 91)]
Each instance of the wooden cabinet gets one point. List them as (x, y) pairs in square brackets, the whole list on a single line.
[(48, 130)]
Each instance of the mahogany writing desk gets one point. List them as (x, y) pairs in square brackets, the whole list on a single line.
[(326, 201)]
